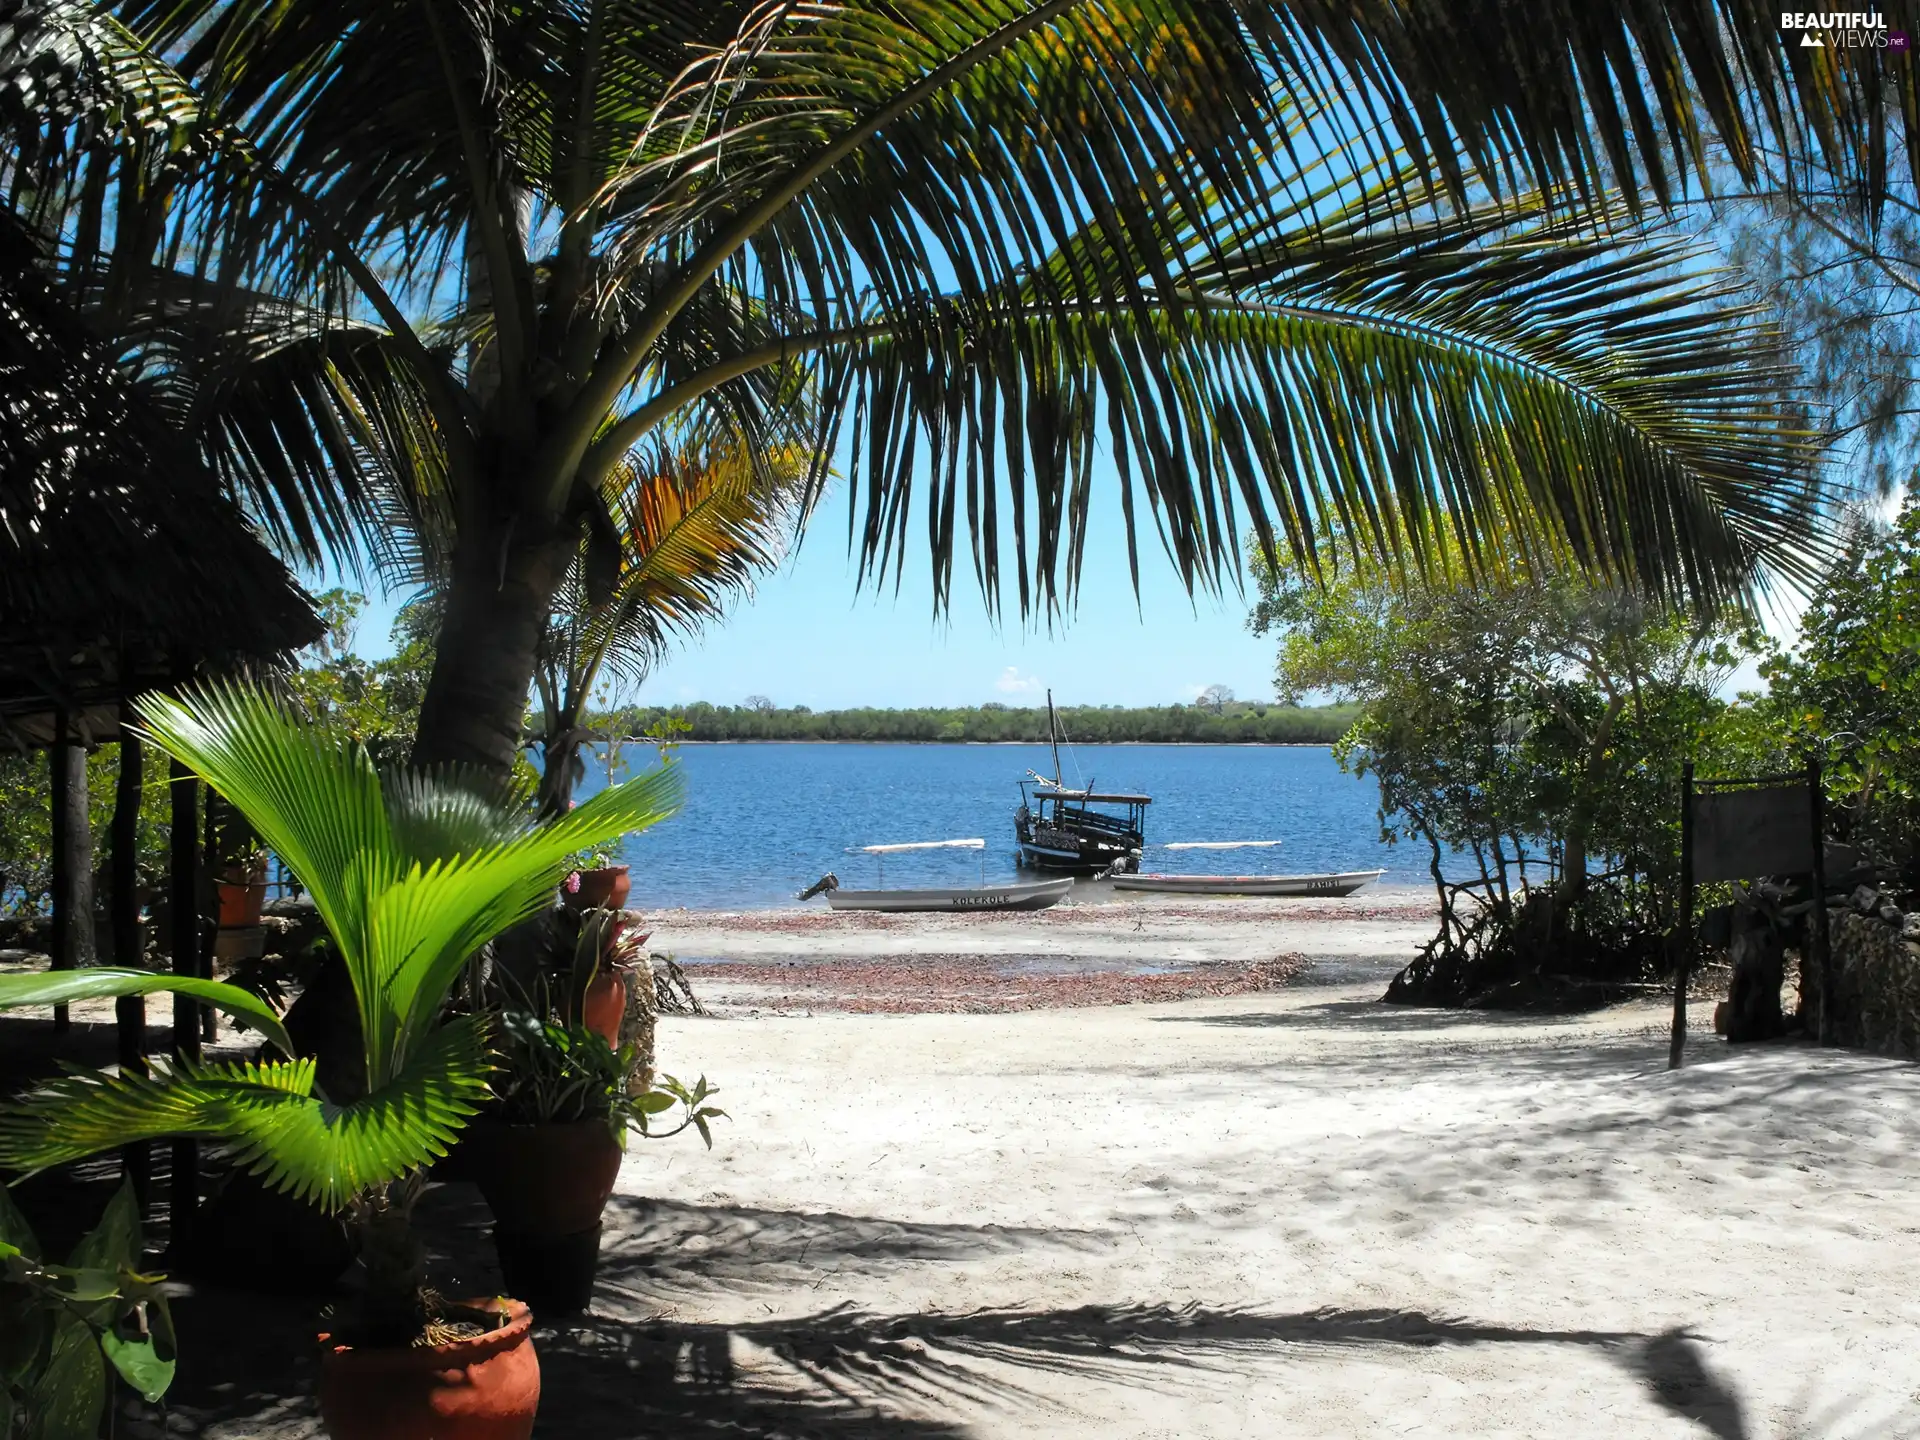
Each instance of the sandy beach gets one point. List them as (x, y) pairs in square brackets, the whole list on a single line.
[(1296, 1213), (1287, 1211)]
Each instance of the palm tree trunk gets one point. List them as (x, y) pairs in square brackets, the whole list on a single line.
[(560, 765), (497, 605)]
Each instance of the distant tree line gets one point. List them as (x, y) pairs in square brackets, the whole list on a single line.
[(1234, 722)]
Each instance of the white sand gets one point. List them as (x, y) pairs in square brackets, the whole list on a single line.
[(1299, 1213)]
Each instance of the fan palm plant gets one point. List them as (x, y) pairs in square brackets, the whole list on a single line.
[(460, 258), (411, 878), (694, 529)]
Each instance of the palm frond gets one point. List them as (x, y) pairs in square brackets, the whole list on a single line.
[(278, 1128), (63, 987), (695, 530), (1499, 382), (403, 918)]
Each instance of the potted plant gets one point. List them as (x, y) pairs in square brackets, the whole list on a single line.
[(608, 959), (66, 1329), (411, 876), (597, 883), (243, 891), (546, 1153)]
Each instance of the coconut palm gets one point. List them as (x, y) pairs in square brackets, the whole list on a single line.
[(411, 876), (987, 238), (693, 531)]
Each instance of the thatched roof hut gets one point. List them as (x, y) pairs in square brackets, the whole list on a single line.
[(122, 566)]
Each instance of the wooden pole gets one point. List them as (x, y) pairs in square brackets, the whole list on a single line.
[(183, 863), (1818, 938), (58, 813), (1684, 965), (72, 867), (129, 1011), (209, 909)]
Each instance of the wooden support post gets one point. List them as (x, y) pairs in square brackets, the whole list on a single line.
[(209, 909), (72, 867), (1683, 967), (1818, 938), (184, 903), (129, 1011)]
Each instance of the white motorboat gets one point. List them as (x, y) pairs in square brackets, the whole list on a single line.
[(1014, 895), (1341, 883), (1025, 895)]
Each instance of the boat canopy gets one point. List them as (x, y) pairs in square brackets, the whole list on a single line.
[(1220, 844), (1054, 792), (975, 844)]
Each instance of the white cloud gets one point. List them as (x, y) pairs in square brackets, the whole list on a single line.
[(1012, 682)]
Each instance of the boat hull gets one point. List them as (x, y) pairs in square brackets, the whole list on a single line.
[(1342, 883), (1031, 895), (1090, 858)]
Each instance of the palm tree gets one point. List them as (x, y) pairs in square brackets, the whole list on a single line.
[(1291, 261), (411, 876), (693, 531)]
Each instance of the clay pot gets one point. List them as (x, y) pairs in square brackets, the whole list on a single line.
[(544, 1179), (241, 903), (605, 889), (554, 1272), (605, 1004), (547, 1186), (482, 1389)]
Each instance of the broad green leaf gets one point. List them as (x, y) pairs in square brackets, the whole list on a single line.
[(23, 1332), (14, 1229), (67, 1398), (83, 1287), (63, 987), (140, 1361), (113, 1244)]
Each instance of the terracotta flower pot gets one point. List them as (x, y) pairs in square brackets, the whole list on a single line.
[(605, 1004), (544, 1179), (547, 1186), (482, 1389), (241, 903), (605, 889)]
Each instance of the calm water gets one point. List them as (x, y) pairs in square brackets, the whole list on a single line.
[(763, 821)]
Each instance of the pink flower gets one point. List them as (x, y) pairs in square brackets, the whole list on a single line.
[(573, 883)]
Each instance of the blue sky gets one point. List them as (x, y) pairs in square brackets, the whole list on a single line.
[(810, 637)]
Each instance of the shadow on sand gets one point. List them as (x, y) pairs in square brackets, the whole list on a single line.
[(633, 1370)]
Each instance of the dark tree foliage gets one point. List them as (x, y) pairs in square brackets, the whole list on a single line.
[(1234, 723)]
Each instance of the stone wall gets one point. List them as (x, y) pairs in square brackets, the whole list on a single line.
[(1877, 985)]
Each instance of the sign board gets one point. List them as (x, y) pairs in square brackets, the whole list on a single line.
[(1740, 834)]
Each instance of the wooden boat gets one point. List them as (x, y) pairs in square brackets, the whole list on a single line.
[(1020, 895), (1015, 895), (1059, 829), (1341, 883)]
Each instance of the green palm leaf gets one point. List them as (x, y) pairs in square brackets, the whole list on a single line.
[(404, 921), (63, 987), (267, 1112), (411, 879)]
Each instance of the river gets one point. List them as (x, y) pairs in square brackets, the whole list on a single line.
[(763, 821)]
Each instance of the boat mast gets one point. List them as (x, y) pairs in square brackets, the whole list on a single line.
[(1053, 739)]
